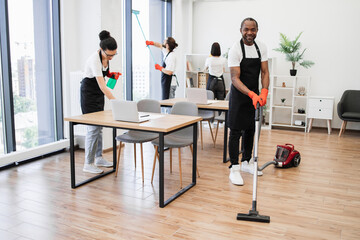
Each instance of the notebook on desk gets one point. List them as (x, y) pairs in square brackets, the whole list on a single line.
[(127, 111), (197, 95)]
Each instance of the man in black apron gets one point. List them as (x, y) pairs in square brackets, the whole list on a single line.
[(244, 96)]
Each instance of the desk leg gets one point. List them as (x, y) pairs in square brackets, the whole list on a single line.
[(194, 153), (114, 149), (225, 138), (72, 161), (72, 155), (161, 170), (310, 124)]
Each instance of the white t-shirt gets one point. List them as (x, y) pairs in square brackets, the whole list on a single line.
[(170, 62), (93, 66), (216, 65), (235, 53)]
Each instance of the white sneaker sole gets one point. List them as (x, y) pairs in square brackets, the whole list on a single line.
[(259, 172), (93, 172), (237, 184), (103, 165)]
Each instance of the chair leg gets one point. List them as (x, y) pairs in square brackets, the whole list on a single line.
[(180, 168), (212, 135), (216, 132), (118, 160), (142, 162), (170, 160), (197, 171), (201, 135), (135, 154), (342, 129), (153, 170)]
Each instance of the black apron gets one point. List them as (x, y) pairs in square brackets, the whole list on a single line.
[(92, 98), (216, 85), (241, 110), (165, 81)]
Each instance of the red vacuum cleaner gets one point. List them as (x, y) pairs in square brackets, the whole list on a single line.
[(285, 156)]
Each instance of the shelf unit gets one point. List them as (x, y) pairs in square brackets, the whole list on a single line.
[(286, 114)]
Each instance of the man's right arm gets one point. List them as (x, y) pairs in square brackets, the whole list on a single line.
[(235, 79)]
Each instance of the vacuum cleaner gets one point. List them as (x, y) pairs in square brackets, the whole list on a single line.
[(285, 156)]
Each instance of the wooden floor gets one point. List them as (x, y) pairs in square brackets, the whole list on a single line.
[(318, 200)]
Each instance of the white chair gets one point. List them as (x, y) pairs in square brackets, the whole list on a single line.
[(178, 139), (133, 136), (207, 116)]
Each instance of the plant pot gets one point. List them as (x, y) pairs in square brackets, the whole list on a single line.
[(293, 72)]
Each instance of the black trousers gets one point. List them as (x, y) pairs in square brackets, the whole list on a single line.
[(247, 144), (217, 86)]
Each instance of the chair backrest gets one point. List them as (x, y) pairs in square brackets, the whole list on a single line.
[(210, 96), (149, 105), (351, 101), (227, 97), (184, 108)]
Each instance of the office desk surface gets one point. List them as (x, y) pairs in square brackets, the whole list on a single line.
[(215, 104), (165, 123)]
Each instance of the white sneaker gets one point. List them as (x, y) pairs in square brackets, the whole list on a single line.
[(249, 167), (235, 176), (91, 168), (101, 162)]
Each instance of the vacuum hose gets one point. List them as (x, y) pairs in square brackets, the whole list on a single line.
[(266, 165)]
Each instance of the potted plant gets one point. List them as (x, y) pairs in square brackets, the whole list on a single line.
[(283, 101), (292, 52)]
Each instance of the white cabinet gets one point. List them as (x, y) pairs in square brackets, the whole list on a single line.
[(320, 108), (288, 101)]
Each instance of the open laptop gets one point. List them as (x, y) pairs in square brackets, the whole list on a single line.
[(197, 95), (127, 111)]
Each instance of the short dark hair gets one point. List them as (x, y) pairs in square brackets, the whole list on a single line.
[(249, 19), (172, 43), (106, 41), (215, 49)]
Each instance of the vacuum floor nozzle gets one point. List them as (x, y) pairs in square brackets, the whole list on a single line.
[(253, 216)]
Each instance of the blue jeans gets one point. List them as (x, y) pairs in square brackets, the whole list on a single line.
[(93, 144)]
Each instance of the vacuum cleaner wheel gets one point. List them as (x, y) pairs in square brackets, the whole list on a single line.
[(296, 160)]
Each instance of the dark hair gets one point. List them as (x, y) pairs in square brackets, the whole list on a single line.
[(215, 49), (249, 19), (172, 44), (106, 41)]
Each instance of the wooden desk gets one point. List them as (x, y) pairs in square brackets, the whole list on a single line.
[(217, 105), (164, 125)]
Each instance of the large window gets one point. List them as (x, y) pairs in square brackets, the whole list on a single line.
[(152, 18), (32, 82)]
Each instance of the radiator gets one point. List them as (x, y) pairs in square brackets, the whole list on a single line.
[(75, 107)]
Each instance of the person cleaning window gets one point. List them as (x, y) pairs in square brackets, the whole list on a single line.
[(93, 88), (168, 67)]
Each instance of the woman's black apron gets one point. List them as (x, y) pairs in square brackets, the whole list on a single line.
[(92, 98), (241, 110), (165, 81), (216, 84)]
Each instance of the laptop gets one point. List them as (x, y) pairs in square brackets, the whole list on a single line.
[(197, 95), (127, 111)]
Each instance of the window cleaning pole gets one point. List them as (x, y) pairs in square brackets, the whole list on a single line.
[(136, 12)]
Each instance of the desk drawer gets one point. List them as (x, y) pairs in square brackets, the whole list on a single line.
[(321, 113), (320, 103)]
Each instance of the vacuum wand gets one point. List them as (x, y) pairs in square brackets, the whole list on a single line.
[(253, 214), (136, 12)]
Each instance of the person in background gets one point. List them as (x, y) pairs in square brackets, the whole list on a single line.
[(169, 65), (247, 59), (216, 66), (93, 88)]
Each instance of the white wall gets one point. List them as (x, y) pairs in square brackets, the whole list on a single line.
[(81, 23), (331, 36)]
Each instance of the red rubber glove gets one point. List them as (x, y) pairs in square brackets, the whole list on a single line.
[(263, 96), (149, 43), (255, 98), (158, 67), (114, 75)]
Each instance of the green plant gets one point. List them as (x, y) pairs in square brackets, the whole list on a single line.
[(292, 51), (283, 100)]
